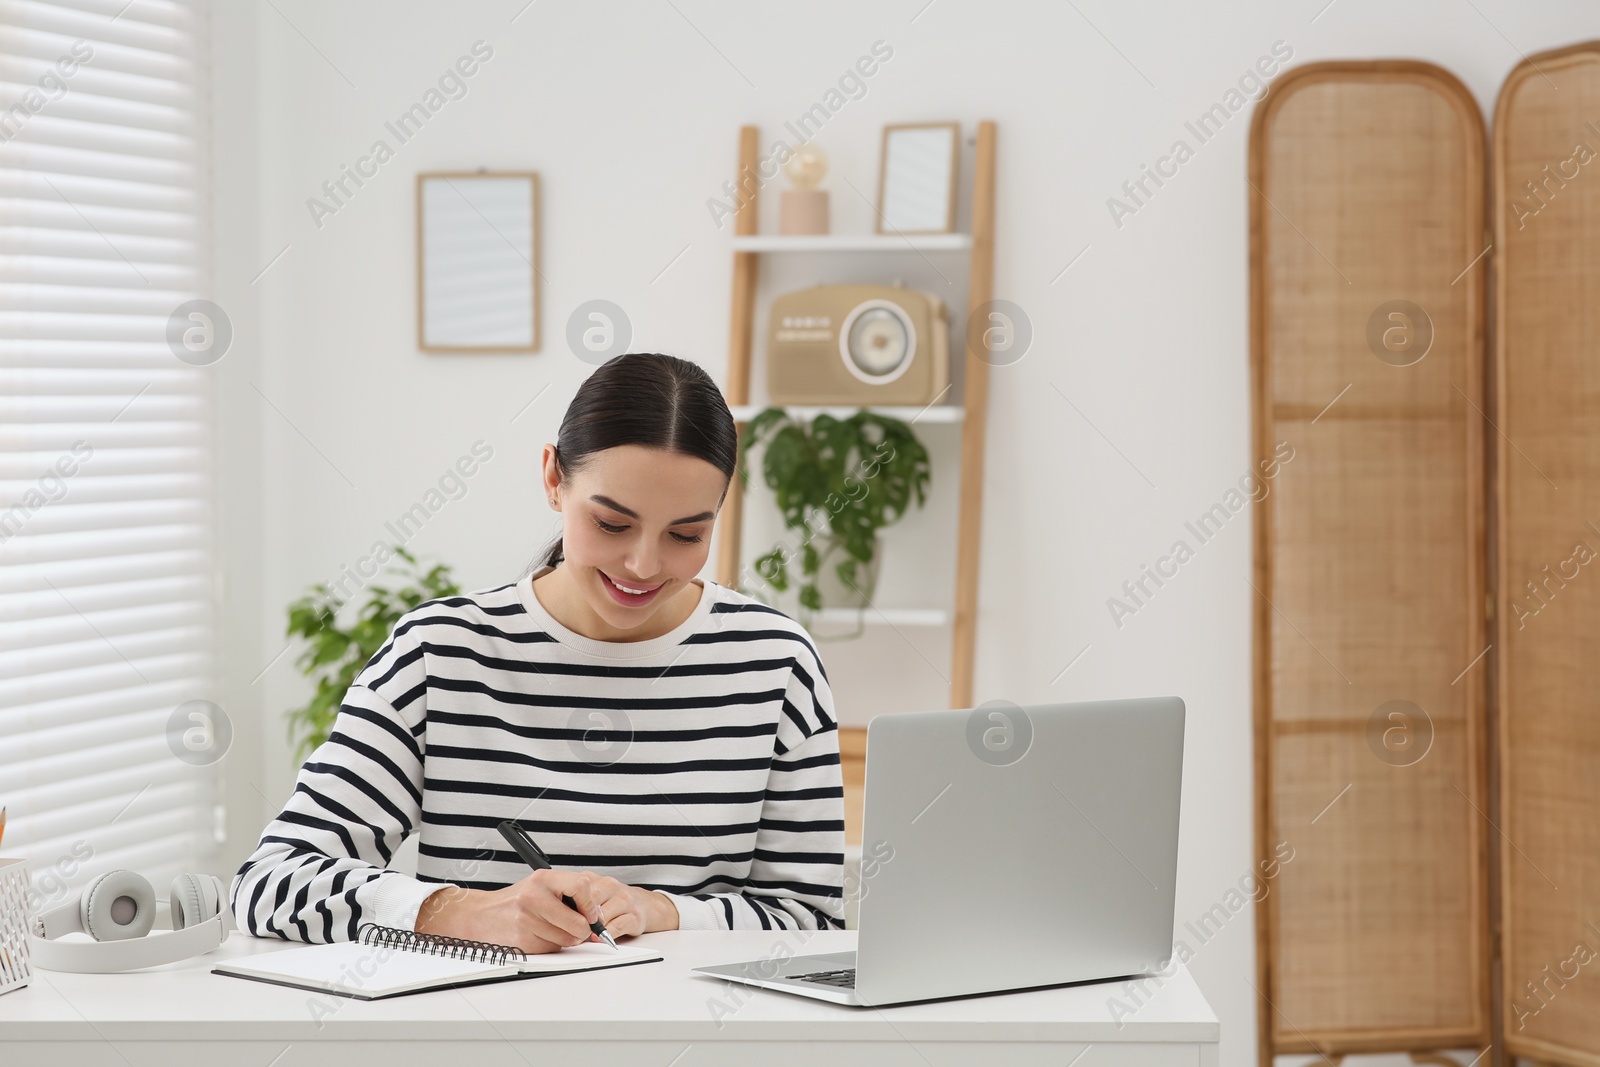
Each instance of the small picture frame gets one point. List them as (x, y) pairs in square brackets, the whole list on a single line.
[(917, 176), (478, 261)]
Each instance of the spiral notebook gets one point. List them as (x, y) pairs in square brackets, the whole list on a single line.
[(389, 962)]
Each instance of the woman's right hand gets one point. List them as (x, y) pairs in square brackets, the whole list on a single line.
[(528, 914)]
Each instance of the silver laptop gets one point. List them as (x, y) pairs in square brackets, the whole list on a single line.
[(1004, 848)]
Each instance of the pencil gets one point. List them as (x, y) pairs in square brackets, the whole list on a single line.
[(2, 824)]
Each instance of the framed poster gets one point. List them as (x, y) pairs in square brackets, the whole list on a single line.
[(478, 262), (917, 178)]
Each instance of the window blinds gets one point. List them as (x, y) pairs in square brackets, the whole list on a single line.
[(106, 579)]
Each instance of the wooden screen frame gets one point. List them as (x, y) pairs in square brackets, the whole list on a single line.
[(1538, 65), (1355, 1041)]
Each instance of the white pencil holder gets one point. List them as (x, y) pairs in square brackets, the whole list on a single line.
[(15, 969)]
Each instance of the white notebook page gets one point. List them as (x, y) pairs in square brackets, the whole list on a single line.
[(371, 970), (374, 970), (580, 957)]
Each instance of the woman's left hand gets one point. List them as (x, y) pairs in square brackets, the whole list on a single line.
[(627, 910)]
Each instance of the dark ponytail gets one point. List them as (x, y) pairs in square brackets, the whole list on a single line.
[(645, 398)]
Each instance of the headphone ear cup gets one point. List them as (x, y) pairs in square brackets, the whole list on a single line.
[(118, 905), (193, 899)]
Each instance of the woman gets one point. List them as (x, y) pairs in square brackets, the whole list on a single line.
[(668, 742)]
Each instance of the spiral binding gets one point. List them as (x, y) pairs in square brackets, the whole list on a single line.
[(439, 945)]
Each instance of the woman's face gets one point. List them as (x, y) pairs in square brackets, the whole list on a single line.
[(636, 527)]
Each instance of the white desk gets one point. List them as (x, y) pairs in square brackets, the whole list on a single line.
[(650, 1015)]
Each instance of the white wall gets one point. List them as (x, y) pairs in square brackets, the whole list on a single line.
[(334, 422)]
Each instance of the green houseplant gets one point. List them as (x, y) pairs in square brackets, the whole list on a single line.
[(838, 483), (335, 655)]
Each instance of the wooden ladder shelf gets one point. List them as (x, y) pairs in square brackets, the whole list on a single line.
[(974, 421)]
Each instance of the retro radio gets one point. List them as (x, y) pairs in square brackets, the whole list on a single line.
[(857, 345)]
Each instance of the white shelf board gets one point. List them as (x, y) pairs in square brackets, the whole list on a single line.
[(863, 242), (884, 616), (921, 415)]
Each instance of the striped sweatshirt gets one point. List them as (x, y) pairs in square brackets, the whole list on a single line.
[(703, 763)]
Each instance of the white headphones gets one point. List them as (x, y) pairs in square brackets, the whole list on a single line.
[(117, 910)]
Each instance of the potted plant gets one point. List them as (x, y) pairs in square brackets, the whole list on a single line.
[(838, 484), (335, 654)]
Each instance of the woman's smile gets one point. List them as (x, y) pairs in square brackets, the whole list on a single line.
[(628, 593)]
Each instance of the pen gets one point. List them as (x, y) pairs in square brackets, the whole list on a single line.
[(533, 857)]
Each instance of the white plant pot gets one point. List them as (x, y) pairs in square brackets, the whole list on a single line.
[(836, 594)]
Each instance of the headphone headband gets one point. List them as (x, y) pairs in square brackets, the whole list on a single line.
[(151, 950)]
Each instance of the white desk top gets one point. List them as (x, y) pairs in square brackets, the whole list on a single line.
[(653, 1001)]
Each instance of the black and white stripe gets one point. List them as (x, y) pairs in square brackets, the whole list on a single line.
[(704, 764)]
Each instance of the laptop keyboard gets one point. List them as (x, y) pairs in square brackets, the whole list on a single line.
[(844, 978)]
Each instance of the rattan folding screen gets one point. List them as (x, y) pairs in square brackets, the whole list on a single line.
[(1421, 911), (1367, 213), (1547, 359)]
